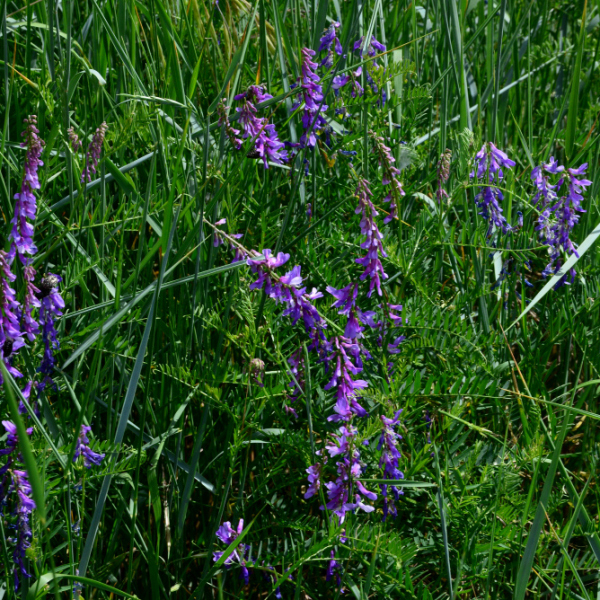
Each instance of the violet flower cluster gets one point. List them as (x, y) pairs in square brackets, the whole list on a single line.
[(390, 462), (370, 50), (330, 43), (51, 307), (241, 555), (93, 153), (559, 215), (390, 175), (74, 140), (21, 235), (17, 322), (311, 100), (82, 448), (15, 490), (373, 239), (267, 145), (287, 289), (347, 486), (489, 162)]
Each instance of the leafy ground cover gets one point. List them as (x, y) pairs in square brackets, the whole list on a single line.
[(299, 299)]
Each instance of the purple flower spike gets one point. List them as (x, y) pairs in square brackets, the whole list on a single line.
[(312, 95), (51, 307), (93, 154), (90, 458), (558, 215), (334, 568), (372, 244), (491, 160), (389, 461), (25, 506), (330, 42), (349, 468), (10, 332), (267, 145), (30, 326), (348, 363), (74, 140), (21, 235), (390, 175)]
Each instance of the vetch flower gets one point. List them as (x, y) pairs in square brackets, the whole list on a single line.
[(25, 506), (311, 99), (11, 339), (51, 308), (390, 175), (21, 235), (334, 568), (491, 160), (227, 535), (267, 145), (330, 42), (93, 154), (74, 140), (389, 461), (90, 458), (558, 215), (372, 244)]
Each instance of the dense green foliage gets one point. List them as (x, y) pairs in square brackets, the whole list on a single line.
[(160, 328)]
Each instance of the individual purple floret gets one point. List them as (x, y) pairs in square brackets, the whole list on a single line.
[(559, 215), (21, 235), (372, 244), (334, 568), (389, 461), (227, 535), (312, 98), (74, 140), (51, 307), (443, 174), (229, 130), (93, 154), (345, 298), (490, 160), (11, 338), (390, 175), (90, 458), (330, 42), (267, 145), (26, 391), (25, 506)]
